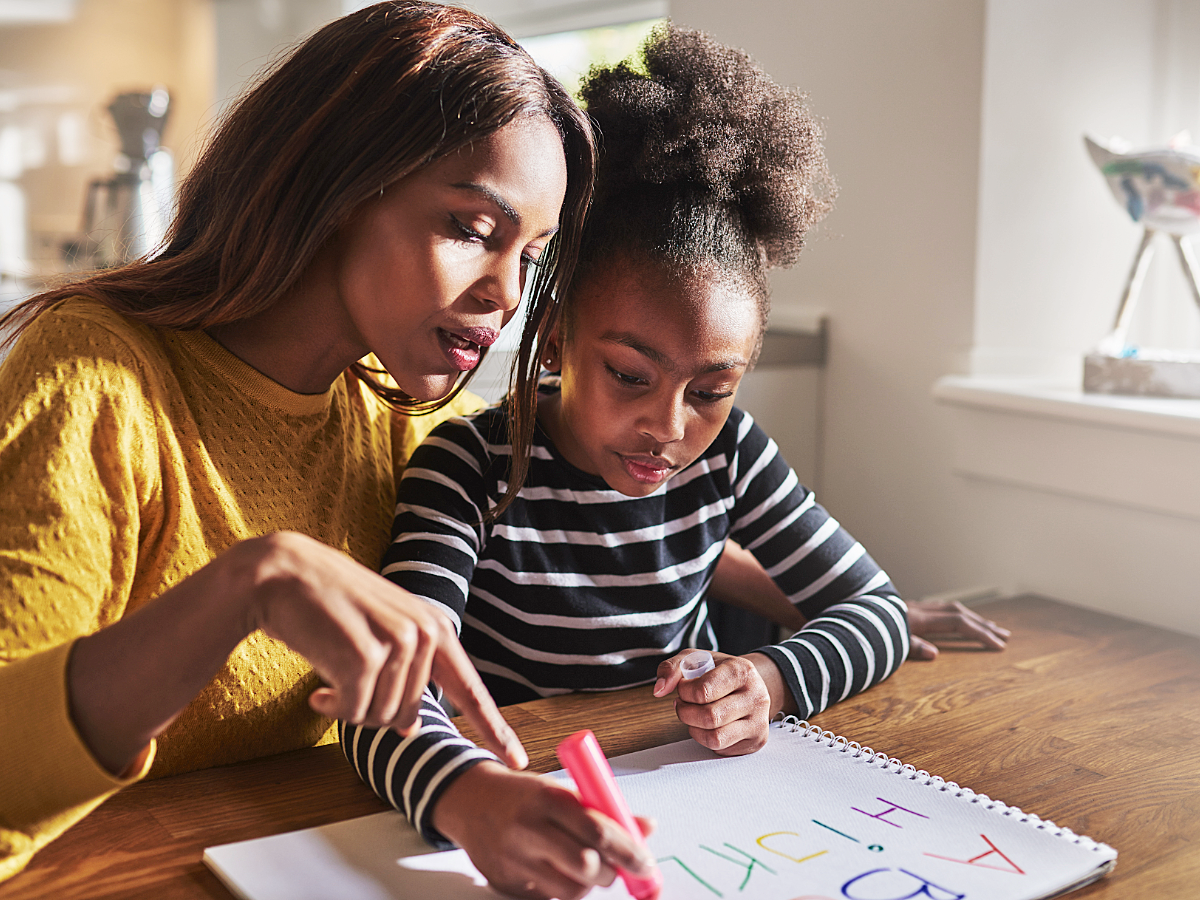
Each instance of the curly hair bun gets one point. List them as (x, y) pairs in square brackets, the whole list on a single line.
[(699, 132)]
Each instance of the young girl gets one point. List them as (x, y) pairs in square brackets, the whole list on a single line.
[(594, 578), (199, 451)]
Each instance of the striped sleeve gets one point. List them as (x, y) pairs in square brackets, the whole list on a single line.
[(436, 539), (857, 630), (438, 532), (411, 773)]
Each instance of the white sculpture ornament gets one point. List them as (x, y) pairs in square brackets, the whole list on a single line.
[(1160, 188)]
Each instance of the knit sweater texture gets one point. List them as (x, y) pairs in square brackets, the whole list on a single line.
[(130, 457)]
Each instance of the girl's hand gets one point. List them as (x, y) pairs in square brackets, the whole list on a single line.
[(728, 709), (949, 619), (531, 837)]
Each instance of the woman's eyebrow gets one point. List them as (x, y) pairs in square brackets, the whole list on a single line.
[(503, 205)]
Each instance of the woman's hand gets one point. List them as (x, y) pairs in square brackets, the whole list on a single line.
[(729, 708), (374, 645), (949, 619), (531, 837)]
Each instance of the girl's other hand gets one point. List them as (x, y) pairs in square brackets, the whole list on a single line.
[(531, 837), (950, 619), (729, 708)]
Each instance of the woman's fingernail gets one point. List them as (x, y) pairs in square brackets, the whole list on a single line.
[(660, 686), (516, 751)]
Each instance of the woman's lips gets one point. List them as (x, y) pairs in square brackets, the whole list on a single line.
[(484, 337), (647, 469), (463, 347)]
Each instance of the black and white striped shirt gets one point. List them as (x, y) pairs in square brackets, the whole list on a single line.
[(577, 587)]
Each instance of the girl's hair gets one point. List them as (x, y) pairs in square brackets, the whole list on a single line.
[(367, 100), (707, 166)]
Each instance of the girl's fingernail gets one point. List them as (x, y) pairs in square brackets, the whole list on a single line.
[(659, 686)]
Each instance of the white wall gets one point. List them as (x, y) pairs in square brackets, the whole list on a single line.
[(899, 85), (252, 33), (972, 231), (1054, 251)]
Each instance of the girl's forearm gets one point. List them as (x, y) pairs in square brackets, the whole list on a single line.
[(741, 581)]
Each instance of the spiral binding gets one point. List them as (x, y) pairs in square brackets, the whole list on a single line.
[(895, 766)]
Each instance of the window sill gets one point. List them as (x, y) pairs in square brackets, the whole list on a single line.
[(1033, 398), (1132, 452)]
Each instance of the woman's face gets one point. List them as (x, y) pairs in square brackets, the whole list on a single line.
[(429, 272), (649, 372)]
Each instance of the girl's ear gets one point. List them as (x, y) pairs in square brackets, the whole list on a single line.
[(551, 358)]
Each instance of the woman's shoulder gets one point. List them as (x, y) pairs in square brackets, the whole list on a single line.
[(80, 344), (94, 371), (85, 328)]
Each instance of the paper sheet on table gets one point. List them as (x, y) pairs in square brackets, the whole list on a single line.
[(798, 819)]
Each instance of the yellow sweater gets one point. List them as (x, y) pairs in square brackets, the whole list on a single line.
[(129, 458)]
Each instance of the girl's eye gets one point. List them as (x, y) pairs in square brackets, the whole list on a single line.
[(712, 396), (631, 380), (528, 260)]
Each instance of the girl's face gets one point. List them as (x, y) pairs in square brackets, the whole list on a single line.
[(429, 272), (649, 373)]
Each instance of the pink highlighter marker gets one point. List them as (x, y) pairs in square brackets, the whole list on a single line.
[(583, 758)]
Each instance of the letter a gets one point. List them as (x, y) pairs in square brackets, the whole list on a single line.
[(975, 860)]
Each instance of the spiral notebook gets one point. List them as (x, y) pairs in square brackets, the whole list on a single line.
[(811, 815)]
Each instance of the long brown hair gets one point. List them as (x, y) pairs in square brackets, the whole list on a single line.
[(367, 100)]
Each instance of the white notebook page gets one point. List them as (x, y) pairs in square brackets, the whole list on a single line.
[(799, 820)]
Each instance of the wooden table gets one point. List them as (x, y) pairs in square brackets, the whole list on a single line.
[(1086, 719)]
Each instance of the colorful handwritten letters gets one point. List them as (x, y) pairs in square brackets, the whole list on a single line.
[(804, 820), (701, 870)]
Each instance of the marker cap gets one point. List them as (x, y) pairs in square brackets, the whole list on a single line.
[(696, 664)]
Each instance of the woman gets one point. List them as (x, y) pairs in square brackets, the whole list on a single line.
[(199, 450)]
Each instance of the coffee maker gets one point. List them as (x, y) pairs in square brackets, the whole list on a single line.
[(127, 213)]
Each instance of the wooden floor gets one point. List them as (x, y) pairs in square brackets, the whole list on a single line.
[(1087, 720)]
